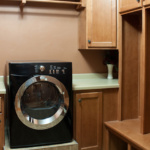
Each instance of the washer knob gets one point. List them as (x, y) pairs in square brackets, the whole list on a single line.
[(42, 68)]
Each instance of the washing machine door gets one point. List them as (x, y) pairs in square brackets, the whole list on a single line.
[(41, 102)]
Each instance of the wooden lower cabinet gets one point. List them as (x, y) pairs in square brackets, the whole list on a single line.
[(91, 109), (89, 120), (1, 132), (2, 137)]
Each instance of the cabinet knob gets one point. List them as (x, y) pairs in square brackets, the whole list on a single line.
[(79, 100), (89, 41)]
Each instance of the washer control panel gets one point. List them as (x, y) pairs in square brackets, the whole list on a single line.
[(52, 69), (57, 70)]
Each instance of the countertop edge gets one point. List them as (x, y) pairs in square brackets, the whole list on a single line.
[(2, 85), (95, 87)]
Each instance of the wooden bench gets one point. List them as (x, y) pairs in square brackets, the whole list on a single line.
[(129, 132)]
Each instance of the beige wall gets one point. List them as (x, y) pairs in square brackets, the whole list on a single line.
[(44, 34)]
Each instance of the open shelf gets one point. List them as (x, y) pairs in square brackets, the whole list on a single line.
[(52, 1), (78, 3), (131, 49)]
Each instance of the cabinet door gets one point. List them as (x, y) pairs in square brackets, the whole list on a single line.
[(126, 5), (1, 122), (89, 121), (102, 23), (1, 132), (146, 2)]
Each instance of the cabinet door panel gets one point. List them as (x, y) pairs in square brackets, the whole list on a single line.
[(126, 5), (1, 122), (89, 120), (1, 131), (102, 23)]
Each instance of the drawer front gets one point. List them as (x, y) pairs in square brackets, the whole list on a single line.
[(0, 104)]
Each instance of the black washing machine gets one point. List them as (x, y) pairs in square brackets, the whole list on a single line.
[(39, 103)]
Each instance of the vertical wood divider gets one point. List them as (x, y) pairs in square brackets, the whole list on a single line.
[(129, 147), (120, 66), (107, 140), (142, 70)]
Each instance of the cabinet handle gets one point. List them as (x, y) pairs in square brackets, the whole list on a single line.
[(138, 1), (0, 121), (79, 100), (89, 41)]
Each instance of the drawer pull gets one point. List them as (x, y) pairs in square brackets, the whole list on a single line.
[(89, 41)]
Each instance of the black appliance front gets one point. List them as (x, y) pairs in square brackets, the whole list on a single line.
[(40, 103)]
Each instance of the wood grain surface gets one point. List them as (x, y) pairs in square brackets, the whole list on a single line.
[(145, 76), (129, 131), (89, 120)]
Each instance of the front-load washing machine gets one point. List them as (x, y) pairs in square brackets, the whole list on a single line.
[(39, 103)]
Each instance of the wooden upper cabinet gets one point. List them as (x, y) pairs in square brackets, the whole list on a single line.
[(146, 2), (97, 25), (125, 5), (89, 120), (102, 23)]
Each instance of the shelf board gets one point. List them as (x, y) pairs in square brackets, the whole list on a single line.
[(79, 5), (49, 1), (53, 1)]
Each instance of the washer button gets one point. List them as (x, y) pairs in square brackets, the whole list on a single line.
[(50, 71), (57, 71), (63, 71), (42, 68)]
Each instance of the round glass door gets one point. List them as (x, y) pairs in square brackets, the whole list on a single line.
[(41, 102)]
